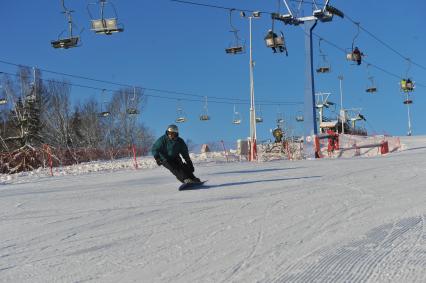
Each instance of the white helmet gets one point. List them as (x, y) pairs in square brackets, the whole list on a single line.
[(172, 128)]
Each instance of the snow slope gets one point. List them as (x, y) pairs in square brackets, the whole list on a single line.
[(344, 220)]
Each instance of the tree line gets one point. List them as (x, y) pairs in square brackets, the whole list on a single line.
[(39, 117)]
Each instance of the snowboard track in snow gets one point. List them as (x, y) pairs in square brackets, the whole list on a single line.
[(386, 253)]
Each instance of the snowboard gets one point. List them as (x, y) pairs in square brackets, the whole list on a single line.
[(191, 186)]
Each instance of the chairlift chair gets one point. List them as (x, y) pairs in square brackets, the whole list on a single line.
[(180, 119), (181, 116), (371, 88), (132, 109), (323, 69), (276, 42), (70, 41), (30, 98), (280, 119), (354, 54), (66, 43), (299, 116), (205, 115), (324, 66), (235, 47), (236, 119), (259, 116), (3, 99), (407, 85), (234, 50), (104, 25), (104, 113)]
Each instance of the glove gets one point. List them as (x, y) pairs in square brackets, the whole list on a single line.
[(158, 160), (190, 166)]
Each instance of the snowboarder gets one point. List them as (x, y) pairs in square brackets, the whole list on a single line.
[(167, 151)]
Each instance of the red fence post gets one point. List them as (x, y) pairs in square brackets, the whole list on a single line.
[(317, 147), (384, 147), (134, 156), (49, 154), (224, 149)]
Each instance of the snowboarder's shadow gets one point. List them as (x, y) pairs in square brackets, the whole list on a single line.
[(255, 171), (206, 187)]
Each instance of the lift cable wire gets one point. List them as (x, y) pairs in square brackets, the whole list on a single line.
[(228, 8), (384, 43), (371, 64), (202, 98), (145, 88), (349, 18)]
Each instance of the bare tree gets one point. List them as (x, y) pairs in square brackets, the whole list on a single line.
[(58, 114), (125, 106), (91, 129), (26, 106)]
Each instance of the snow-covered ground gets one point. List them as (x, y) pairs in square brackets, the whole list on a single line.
[(329, 220)]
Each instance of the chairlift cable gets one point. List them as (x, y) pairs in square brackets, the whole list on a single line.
[(382, 42), (306, 2), (124, 85), (226, 100), (371, 64)]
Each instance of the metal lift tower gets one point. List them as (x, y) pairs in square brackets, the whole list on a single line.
[(322, 14)]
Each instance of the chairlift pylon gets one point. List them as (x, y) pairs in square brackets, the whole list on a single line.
[(235, 47), (104, 25), (70, 41)]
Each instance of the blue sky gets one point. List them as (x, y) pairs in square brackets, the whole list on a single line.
[(180, 48)]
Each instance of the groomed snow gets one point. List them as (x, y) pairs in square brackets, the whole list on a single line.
[(329, 220)]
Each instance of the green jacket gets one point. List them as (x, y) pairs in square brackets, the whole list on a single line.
[(169, 149)]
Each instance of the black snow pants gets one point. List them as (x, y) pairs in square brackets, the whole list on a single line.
[(179, 169)]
